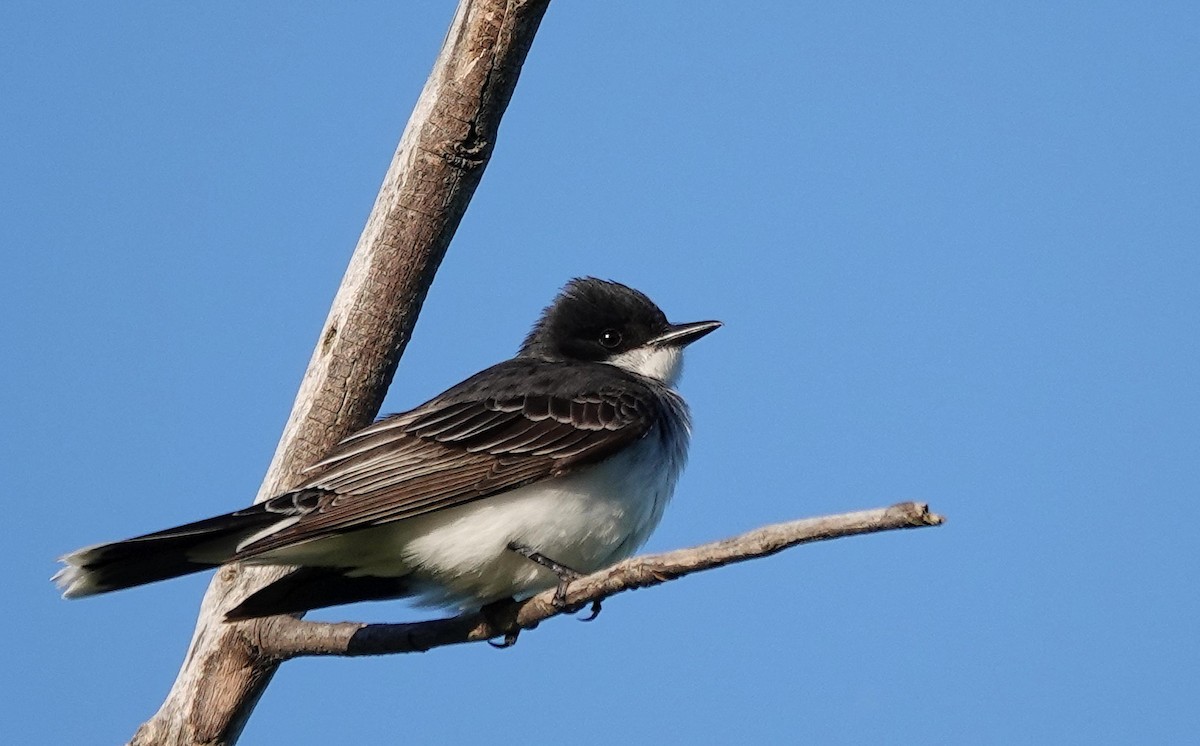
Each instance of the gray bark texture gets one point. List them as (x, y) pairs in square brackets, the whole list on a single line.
[(435, 170)]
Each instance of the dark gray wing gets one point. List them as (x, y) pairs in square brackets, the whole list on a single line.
[(514, 424)]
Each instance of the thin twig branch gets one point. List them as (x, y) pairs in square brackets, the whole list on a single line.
[(286, 638)]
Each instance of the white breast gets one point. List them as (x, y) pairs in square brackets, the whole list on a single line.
[(585, 521)]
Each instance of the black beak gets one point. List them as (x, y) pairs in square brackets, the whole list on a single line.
[(680, 335)]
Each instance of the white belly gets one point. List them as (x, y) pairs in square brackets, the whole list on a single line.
[(585, 521)]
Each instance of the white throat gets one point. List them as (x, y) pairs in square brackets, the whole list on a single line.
[(663, 364)]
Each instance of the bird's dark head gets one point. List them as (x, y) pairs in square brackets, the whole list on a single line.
[(607, 322)]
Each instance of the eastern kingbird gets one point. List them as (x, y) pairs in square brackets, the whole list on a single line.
[(554, 463)]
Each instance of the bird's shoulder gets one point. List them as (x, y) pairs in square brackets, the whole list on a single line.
[(533, 382)]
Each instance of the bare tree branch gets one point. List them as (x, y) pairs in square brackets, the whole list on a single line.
[(440, 160), (287, 638), (433, 175)]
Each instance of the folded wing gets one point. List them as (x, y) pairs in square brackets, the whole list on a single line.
[(463, 446)]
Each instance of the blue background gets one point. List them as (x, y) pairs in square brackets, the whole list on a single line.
[(955, 248)]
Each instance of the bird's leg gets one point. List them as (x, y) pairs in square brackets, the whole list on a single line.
[(565, 574)]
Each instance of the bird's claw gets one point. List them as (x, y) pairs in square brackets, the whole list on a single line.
[(560, 603), (502, 615), (593, 613), (565, 577), (510, 639)]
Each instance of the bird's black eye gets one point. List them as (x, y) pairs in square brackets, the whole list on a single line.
[(610, 338)]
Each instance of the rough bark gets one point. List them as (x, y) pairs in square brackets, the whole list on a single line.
[(434, 172)]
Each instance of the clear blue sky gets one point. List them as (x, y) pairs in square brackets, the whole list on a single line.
[(955, 248)]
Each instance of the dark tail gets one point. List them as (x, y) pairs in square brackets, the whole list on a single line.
[(314, 588), (161, 555)]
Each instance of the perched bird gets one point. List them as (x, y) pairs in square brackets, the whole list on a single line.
[(552, 464)]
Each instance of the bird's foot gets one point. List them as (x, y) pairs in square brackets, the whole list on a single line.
[(593, 613), (565, 574), (510, 639), (560, 593), (502, 615)]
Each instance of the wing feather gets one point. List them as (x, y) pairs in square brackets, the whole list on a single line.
[(514, 424)]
